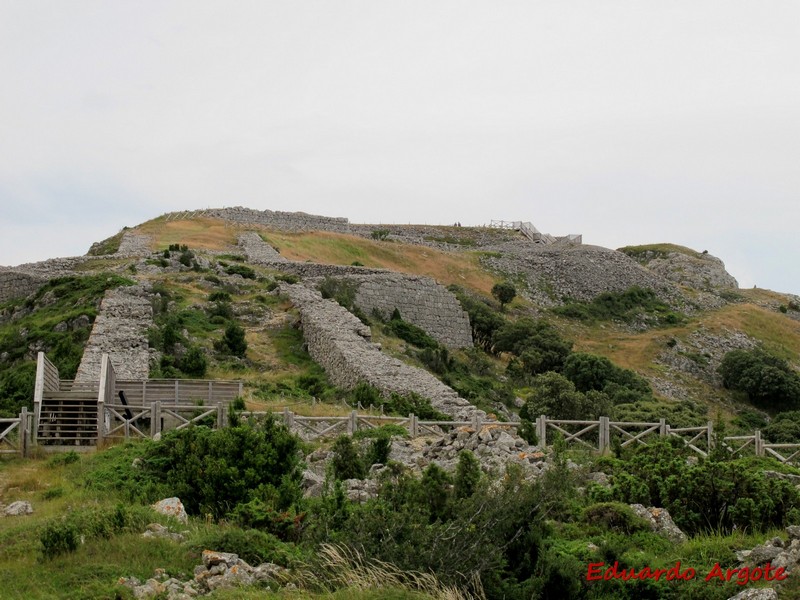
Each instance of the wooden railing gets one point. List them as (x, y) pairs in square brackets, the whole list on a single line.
[(179, 391), (46, 381), (128, 421), (15, 434)]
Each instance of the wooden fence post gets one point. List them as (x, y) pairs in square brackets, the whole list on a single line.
[(352, 423), (662, 427), (541, 431), (101, 422), (604, 435), (412, 425), (23, 432), (710, 439), (759, 444), (220, 416), (288, 418)]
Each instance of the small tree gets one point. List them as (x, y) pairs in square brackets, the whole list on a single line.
[(234, 339), (468, 474), (504, 292)]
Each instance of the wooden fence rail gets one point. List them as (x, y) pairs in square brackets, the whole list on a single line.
[(15, 434), (127, 421)]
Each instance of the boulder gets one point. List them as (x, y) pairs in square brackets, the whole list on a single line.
[(756, 594), (661, 522), (172, 507), (154, 530), (18, 509)]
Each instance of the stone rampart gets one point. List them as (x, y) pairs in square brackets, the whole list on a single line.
[(284, 221), (120, 330), (23, 280), (421, 301), (134, 245), (558, 272), (340, 343), (257, 250), (15, 284)]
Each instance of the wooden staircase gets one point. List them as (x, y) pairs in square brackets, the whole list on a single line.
[(68, 417)]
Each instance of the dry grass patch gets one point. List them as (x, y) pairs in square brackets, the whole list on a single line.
[(778, 333), (338, 249), (197, 233)]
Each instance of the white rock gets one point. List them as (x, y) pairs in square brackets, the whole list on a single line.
[(18, 509), (172, 507)]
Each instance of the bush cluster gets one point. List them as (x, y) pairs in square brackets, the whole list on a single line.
[(766, 380), (626, 306)]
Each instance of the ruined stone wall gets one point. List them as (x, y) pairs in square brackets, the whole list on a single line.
[(23, 280), (133, 245), (340, 343), (285, 221), (120, 330), (14, 284), (421, 301), (257, 250)]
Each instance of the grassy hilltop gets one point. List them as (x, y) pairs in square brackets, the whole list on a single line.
[(686, 354)]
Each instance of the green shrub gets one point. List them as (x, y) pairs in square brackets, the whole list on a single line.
[(615, 516), (212, 471), (219, 296), (59, 537), (410, 333), (253, 546), (287, 278), (380, 234), (411, 403), (346, 463), (194, 362), (484, 320), (715, 494), (554, 395), (766, 380), (468, 475), (538, 345), (504, 292), (242, 270), (378, 450), (626, 306), (591, 372), (341, 290), (233, 341)]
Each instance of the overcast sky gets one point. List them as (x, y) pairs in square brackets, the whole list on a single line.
[(629, 122)]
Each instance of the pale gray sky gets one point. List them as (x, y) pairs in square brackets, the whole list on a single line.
[(627, 121)]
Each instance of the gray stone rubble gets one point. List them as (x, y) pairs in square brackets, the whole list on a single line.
[(219, 570)]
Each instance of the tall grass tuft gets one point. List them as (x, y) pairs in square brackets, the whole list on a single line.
[(341, 566)]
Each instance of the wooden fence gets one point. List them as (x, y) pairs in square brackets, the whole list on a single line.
[(179, 391), (126, 421), (15, 434)]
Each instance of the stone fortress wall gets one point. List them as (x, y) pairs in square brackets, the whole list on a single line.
[(341, 344), (285, 221), (17, 284), (419, 299), (120, 330)]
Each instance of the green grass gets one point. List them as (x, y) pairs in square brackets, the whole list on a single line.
[(647, 252), (49, 322), (107, 246)]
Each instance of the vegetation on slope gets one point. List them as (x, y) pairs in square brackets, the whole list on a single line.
[(57, 320)]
